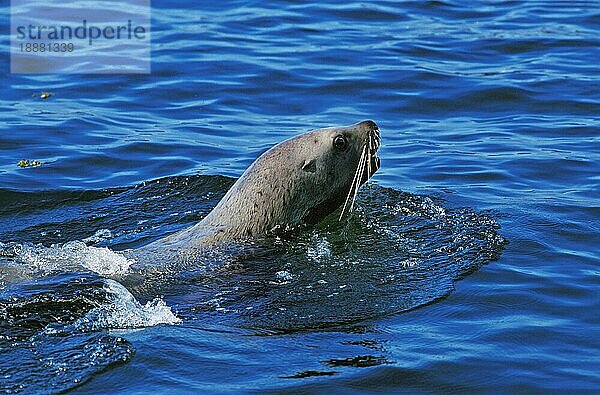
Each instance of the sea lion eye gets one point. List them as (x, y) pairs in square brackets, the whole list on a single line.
[(340, 142)]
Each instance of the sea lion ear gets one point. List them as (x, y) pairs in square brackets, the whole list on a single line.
[(310, 165)]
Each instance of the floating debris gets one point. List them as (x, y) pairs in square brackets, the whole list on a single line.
[(27, 163), (42, 95)]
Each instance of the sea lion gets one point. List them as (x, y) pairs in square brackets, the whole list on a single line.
[(298, 181)]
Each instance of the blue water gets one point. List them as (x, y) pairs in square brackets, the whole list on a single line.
[(471, 264)]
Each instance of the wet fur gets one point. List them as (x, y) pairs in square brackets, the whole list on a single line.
[(301, 180)]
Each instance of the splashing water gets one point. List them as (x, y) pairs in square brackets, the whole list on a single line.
[(74, 255), (56, 328), (124, 311), (396, 252)]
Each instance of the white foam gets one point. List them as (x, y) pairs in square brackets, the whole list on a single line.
[(125, 312), (73, 255), (100, 235), (319, 249), (282, 277)]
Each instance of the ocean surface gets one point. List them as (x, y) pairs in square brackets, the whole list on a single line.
[(471, 262)]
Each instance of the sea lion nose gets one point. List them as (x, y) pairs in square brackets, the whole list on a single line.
[(371, 133), (370, 125)]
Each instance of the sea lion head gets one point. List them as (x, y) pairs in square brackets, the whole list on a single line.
[(339, 162), (299, 181)]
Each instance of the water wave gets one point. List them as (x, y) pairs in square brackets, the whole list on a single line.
[(61, 329)]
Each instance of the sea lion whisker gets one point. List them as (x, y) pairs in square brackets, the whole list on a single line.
[(363, 159), (355, 180), (369, 154)]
